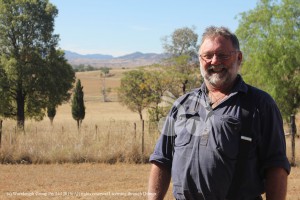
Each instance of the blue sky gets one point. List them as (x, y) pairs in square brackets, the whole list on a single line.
[(119, 27)]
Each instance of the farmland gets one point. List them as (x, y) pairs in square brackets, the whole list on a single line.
[(102, 161)]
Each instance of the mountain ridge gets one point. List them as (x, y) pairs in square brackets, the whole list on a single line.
[(73, 55), (103, 60)]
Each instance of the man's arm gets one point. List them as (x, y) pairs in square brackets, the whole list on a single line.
[(159, 182), (276, 183)]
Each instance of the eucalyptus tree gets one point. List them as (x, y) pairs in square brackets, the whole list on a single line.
[(134, 92), (35, 69), (159, 82), (183, 41), (182, 47)]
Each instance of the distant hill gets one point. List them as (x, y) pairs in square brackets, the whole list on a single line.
[(139, 55), (72, 55), (99, 60)]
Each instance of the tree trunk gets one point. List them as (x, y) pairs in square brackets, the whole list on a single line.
[(104, 89), (293, 131), (0, 132), (20, 110), (141, 115), (78, 124), (184, 86), (157, 112), (51, 120)]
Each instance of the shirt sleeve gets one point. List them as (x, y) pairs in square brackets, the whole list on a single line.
[(272, 146), (163, 152)]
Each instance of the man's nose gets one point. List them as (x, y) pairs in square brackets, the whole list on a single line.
[(215, 60)]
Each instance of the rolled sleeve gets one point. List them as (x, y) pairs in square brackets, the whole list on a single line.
[(273, 145)]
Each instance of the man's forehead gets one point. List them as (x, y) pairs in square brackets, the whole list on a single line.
[(216, 43)]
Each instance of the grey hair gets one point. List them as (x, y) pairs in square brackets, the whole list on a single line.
[(213, 31)]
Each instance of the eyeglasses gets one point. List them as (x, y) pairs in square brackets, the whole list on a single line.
[(207, 57)]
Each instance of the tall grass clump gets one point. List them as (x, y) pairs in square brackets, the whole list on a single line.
[(101, 142)]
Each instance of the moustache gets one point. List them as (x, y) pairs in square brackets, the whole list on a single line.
[(212, 67)]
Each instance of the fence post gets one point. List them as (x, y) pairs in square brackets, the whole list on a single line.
[(143, 133), (10, 136), (293, 132), (134, 126), (108, 133), (0, 132), (96, 127)]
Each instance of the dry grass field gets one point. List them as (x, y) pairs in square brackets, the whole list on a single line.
[(95, 163), (108, 129)]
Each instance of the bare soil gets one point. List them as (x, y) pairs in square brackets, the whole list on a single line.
[(89, 181)]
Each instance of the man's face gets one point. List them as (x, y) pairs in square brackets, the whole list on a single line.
[(219, 61)]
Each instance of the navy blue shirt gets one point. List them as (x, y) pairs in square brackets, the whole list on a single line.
[(200, 144)]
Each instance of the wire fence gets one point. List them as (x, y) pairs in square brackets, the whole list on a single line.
[(105, 141)]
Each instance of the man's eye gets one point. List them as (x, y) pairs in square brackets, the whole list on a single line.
[(223, 56), (208, 56)]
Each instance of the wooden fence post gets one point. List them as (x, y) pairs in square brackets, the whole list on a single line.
[(108, 133), (96, 127), (0, 132), (134, 126), (10, 135), (143, 133), (293, 132)]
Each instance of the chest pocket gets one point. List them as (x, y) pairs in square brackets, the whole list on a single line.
[(228, 136), (186, 126)]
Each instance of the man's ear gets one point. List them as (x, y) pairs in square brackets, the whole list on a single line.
[(240, 57)]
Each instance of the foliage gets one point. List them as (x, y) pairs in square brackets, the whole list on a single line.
[(78, 108), (62, 71), (159, 82), (4, 88), (183, 61), (37, 73), (134, 91), (59, 79), (182, 41), (105, 70), (144, 89), (84, 68), (185, 74), (157, 113), (270, 38)]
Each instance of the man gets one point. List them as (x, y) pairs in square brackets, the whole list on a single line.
[(224, 140)]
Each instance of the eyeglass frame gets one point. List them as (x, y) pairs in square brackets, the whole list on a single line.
[(219, 55)]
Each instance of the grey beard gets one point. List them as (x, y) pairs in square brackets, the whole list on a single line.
[(212, 78)]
